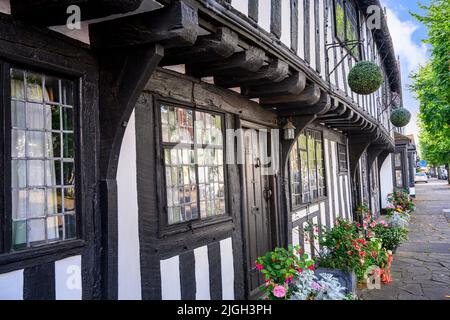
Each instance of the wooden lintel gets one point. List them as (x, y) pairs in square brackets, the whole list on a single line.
[(292, 85), (219, 45), (173, 26), (240, 63), (310, 96), (275, 71), (46, 13)]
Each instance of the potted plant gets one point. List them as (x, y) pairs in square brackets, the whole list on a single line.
[(281, 269), (365, 78), (400, 117)]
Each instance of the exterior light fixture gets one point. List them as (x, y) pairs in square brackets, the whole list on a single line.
[(289, 131)]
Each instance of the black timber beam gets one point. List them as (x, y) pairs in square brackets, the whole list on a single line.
[(310, 96), (219, 45), (293, 85), (46, 13), (241, 63), (172, 26), (334, 114), (275, 71), (321, 107), (123, 75)]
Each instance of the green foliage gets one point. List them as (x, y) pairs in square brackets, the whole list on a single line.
[(431, 84), (365, 77), (390, 236), (400, 117)]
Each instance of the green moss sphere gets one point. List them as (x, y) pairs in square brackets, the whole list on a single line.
[(400, 117), (365, 78)]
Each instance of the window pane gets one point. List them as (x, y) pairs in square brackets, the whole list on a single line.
[(52, 117), (18, 143), (69, 200), (17, 84), (54, 201), (55, 228), (177, 124), (18, 114), (35, 172), (36, 203), (35, 116), (68, 145), (70, 226), (67, 119), (34, 87), (69, 173), (53, 144), (36, 231), (19, 234), (53, 172), (51, 93), (67, 92), (35, 144), (18, 173), (19, 204), (340, 20)]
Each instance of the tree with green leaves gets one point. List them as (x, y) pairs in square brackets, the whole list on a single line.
[(431, 84)]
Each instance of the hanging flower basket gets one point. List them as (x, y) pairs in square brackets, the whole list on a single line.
[(365, 78), (400, 117)]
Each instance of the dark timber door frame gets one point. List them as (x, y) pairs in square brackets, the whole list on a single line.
[(259, 208)]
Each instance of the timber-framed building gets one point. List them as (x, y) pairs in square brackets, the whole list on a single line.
[(117, 181)]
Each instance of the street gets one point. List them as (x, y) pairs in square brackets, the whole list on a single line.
[(421, 267)]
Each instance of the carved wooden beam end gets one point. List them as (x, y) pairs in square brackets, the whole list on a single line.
[(293, 85), (239, 64), (219, 45), (172, 26)]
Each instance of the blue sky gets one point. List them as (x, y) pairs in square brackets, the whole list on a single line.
[(407, 34)]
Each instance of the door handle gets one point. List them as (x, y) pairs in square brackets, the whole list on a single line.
[(258, 163), (267, 194)]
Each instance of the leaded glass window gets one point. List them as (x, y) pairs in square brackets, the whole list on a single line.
[(42, 159), (193, 157), (306, 165), (347, 23), (342, 158)]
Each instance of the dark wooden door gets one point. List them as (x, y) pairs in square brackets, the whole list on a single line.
[(257, 218)]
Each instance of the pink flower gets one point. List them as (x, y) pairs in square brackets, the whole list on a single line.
[(289, 279), (383, 223), (279, 292), (316, 286), (259, 267), (373, 224)]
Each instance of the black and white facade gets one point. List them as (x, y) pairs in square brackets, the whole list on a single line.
[(133, 148)]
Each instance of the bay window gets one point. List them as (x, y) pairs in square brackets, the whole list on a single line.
[(42, 159), (193, 151), (306, 166)]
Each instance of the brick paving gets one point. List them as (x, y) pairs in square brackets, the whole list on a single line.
[(421, 267)]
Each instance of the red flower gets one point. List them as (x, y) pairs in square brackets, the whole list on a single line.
[(362, 254), (374, 254), (349, 253), (311, 267), (258, 266)]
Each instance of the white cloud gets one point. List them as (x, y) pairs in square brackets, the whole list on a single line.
[(414, 54)]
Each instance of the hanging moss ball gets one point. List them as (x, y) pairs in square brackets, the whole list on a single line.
[(400, 117), (365, 78)]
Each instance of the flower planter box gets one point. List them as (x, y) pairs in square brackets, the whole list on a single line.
[(346, 279)]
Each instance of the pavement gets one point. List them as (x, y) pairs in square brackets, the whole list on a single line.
[(421, 266)]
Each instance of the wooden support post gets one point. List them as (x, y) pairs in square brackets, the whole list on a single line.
[(293, 85)]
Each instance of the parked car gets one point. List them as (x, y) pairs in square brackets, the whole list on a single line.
[(421, 177)]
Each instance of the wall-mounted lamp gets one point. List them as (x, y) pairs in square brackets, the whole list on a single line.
[(288, 131)]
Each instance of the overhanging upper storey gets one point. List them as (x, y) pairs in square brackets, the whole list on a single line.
[(292, 56)]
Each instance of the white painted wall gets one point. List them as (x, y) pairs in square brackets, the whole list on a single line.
[(202, 273), (11, 285), (286, 23), (386, 180), (170, 279), (264, 12), (240, 5), (68, 284), (226, 260), (129, 263)]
